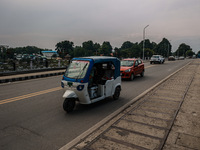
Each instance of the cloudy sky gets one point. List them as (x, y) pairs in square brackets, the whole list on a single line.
[(44, 23)]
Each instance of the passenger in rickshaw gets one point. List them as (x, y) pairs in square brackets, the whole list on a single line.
[(91, 77), (100, 75), (108, 73), (96, 75)]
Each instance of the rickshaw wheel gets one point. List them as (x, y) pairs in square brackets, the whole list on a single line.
[(69, 104), (117, 93)]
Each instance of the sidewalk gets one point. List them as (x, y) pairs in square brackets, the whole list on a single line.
[(165, 117), (27, 76)]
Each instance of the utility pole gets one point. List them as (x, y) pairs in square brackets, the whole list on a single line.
[(144, 39)]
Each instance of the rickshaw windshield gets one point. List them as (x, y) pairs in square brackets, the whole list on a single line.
[(127, 63), (77, 69)]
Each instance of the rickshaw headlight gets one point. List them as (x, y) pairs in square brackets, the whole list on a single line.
[(128, 70), (80, 87)]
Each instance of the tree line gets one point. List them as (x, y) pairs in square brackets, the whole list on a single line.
[(128, 49), (10, 53), (89, 48)]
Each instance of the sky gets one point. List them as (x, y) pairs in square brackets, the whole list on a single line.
[(44, 23)]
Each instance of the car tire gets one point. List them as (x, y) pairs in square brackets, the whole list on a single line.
[(142, 74), (117, 93), (132, 77), (69, 104)]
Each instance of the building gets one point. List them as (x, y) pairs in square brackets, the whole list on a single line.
[(49, 54)]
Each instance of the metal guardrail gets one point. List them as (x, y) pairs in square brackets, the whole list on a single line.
[(28, 71), (12, 67)]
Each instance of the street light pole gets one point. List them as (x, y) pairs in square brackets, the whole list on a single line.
[(144, 39), (168, 49)]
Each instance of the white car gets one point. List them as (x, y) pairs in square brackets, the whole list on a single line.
[(181, 58), (157, 59)]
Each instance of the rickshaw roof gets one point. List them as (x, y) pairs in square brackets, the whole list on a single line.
[(103, 59), (129, 59), (98, 59)]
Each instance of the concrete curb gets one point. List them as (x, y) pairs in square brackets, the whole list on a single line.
[(114, 114), (29, 76)]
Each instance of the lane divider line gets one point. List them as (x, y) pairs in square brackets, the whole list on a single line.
[(29, 95), (148, 66)]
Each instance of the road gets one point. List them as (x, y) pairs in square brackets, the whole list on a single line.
[(31, 111)]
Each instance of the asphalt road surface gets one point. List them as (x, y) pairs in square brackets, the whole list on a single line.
[(31, 114)]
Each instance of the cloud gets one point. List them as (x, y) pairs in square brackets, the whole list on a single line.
[(45, 22)]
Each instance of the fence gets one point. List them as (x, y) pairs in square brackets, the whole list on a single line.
[(22, 65)]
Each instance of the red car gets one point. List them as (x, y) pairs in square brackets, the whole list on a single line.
[(131, 67)]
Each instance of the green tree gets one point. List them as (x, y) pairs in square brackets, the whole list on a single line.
[(2, 53), (89, 45), (10, 53), (148, 44), (32, 49), (65, 47), (149, 49), (127, 45), (134, 51), (124, 53), (163, 48), (189, 53), (79, 51), (148, 52), (89, 48), (116, 52), (28, 50), (97, 47), (182, 49), (106, 49), (154, 45)]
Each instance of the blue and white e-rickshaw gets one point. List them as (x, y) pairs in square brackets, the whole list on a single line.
[(91, 79)]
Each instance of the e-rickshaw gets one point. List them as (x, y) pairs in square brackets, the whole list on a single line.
[(91, 79)]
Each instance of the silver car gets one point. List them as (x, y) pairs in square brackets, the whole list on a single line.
[(157, 59)]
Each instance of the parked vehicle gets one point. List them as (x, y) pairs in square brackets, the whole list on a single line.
[(91, 79), (171, 58), (176, 58), (181, 58), (131, 67), (157, 59), (194, 56)]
